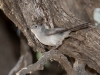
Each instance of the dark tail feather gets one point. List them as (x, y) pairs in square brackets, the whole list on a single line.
[(79, 27)]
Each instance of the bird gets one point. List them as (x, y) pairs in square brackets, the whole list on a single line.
[(55, 36)]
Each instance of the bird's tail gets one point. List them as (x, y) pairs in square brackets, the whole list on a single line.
[(79, 27)]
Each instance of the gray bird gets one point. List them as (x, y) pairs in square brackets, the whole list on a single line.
[(53, 37)]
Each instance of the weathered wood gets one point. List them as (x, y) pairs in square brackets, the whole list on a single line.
[(84, 45), (39, 65)]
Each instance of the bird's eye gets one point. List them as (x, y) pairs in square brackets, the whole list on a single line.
[(35, 26)]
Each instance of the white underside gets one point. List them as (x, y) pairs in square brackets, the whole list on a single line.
[(52, 40)]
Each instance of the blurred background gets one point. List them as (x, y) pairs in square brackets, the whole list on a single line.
[(9, 45)]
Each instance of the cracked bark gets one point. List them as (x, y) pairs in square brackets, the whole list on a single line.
[(53, 54), (83, 45)]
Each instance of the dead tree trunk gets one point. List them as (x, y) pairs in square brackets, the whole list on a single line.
[(83, 46)]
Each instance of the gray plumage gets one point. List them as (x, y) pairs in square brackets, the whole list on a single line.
[(53, 37)]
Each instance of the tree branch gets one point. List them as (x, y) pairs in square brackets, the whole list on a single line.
[(52, 54)]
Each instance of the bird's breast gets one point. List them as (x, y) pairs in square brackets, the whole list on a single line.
[(51, 40)]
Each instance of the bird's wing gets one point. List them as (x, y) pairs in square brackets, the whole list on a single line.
[(61, 30), (55, 31)]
